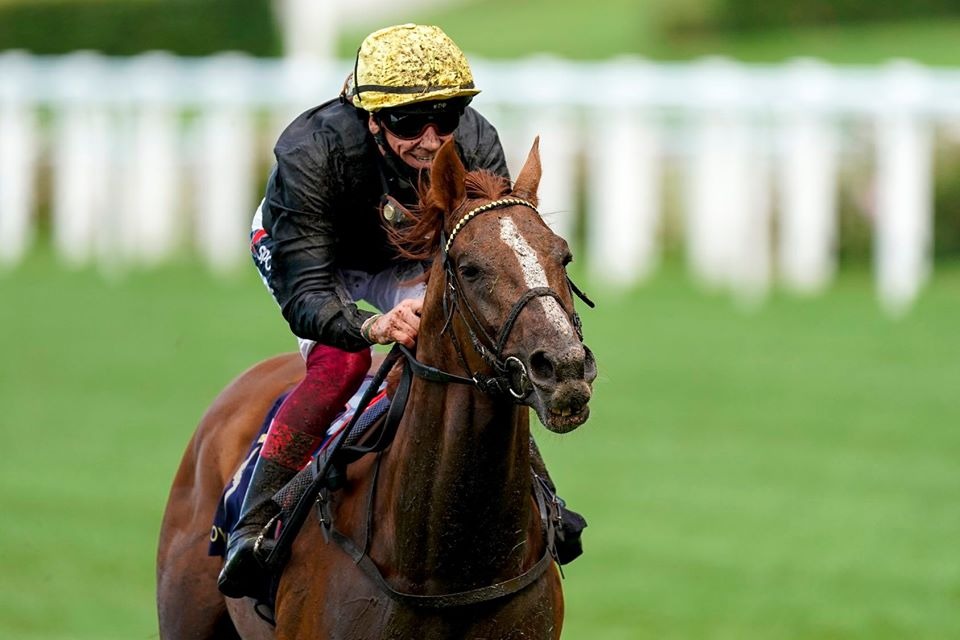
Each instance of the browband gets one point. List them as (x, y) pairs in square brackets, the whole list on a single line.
[(496, 204)]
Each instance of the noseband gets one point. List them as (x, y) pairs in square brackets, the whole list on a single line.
[(510, 374)]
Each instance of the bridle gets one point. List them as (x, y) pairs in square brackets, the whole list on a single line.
[(509, 377)]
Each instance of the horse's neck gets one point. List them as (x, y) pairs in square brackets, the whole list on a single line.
[(460, 476)]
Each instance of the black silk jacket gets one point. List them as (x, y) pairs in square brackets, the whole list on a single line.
[(322, 213)]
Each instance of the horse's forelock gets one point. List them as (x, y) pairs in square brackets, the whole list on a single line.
[(486, 185), (418, 240), (480, 185)]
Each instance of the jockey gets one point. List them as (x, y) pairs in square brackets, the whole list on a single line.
[(344, 170)]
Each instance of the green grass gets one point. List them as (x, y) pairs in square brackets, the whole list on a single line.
[(791, 473), (607, 28)]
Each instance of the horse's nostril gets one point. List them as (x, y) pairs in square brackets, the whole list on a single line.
[(540, 366)]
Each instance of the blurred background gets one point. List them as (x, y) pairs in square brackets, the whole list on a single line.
[(763, 199)]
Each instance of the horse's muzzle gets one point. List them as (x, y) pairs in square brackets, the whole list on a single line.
[(562, 386)]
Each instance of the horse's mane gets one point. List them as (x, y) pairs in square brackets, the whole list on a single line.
[(418, 239)]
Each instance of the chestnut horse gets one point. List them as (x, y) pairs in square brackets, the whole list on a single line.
[(450, 501)]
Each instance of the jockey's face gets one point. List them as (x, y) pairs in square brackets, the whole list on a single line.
[(417, 152)]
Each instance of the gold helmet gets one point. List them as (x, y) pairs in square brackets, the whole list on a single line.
[(409, 63)]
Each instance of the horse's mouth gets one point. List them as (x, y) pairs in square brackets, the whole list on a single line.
[(563, 408), (565, 420)]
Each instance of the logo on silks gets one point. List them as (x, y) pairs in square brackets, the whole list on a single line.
[(263, 255)]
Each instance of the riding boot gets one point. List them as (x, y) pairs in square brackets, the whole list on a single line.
[(243, 574), (568, 543)]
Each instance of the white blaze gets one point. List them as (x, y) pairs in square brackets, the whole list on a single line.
[(533, 274)]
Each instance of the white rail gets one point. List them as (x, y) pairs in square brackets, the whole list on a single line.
[(152, 154)]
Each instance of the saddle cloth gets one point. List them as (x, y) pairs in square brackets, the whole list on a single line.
[(228, 508)]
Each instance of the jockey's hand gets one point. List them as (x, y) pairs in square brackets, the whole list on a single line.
[(400, 324)]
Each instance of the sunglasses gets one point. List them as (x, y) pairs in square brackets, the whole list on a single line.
[(411, 124)]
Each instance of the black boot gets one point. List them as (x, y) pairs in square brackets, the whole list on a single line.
[(243, 574), (568, 543)]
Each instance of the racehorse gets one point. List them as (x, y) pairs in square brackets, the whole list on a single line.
[(446, 515)]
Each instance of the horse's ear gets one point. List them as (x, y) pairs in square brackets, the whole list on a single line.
[(447, 175), (528, 181)]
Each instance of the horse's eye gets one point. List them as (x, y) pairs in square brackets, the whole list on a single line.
[(567, 258), (469, 271)]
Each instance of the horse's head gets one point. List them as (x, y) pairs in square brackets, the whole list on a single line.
[(507, 301)]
